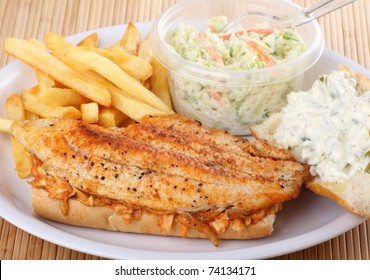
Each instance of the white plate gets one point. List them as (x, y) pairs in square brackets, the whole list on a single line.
[(304, 222)]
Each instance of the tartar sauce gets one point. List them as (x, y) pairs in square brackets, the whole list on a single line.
[(328, 127)]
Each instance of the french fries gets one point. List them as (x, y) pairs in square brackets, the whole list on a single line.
[(14, 108), (90, 112), (113, 86), (45, 62), (121, 79), (5, 125), (54, 41), (127, 104), (145, 52), (132, 64), (36, 43), (90, 41), (44, 81), (111, 117), (135, 66), (61, 97), (33, 104), (31, 116), (23, 159), (131, 39), (159, 82), (117, 76), (133, 108)]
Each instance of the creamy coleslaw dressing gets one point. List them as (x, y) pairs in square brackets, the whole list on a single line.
[(328, 127)]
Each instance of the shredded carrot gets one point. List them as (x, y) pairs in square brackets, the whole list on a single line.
[(237, 33), (262, 53), (262, 31), (200, 35), (215, 55)]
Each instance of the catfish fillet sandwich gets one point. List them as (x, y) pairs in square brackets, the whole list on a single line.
[(167, 176)]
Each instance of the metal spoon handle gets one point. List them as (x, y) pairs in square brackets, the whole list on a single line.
[(324, 7), (320, 8)]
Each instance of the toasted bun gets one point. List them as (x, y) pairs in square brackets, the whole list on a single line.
[(352, 194), (105, 218), (363, 83)]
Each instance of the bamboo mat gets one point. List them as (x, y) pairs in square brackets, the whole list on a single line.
[(347, 32)]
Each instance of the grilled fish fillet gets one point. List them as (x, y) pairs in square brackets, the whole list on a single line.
[(169, 164)]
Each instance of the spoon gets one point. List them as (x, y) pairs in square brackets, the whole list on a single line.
[(305, 15)]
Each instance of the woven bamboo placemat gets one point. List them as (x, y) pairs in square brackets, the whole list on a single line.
[(347, 31)]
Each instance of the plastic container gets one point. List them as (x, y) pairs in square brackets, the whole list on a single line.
[(260, 92)]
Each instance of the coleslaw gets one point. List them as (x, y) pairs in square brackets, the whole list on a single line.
[(233, 108)]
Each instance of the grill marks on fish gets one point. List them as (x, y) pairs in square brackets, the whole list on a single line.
[(283, 171), (119, 164), (234, 144), (120, 148)]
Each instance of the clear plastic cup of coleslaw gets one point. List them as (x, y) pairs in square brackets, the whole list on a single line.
[(232, 100)]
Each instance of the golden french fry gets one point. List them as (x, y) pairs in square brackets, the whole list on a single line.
[(5, 125), (145, 51), (44, 81), (31, 116), (147, 84), (117, 76), (90, 41), (23, 159), (33, 104), (131, 106), (135, 66), (93, 77), (61, 97), (130, 63), (34, 90), (36, 43), (127, 122), (131, 39), (14, 108), (111, 117), (159, 82), (56, 69), (90, 112), (54, 41)]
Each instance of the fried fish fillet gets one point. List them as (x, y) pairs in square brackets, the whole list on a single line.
[(161, 167)]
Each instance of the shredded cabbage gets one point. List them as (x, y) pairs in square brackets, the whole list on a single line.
[(232, 108)]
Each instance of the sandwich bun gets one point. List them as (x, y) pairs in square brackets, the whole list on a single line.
[(101, 217)]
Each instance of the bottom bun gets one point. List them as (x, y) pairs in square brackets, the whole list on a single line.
[(106, 218), (353, 194)]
